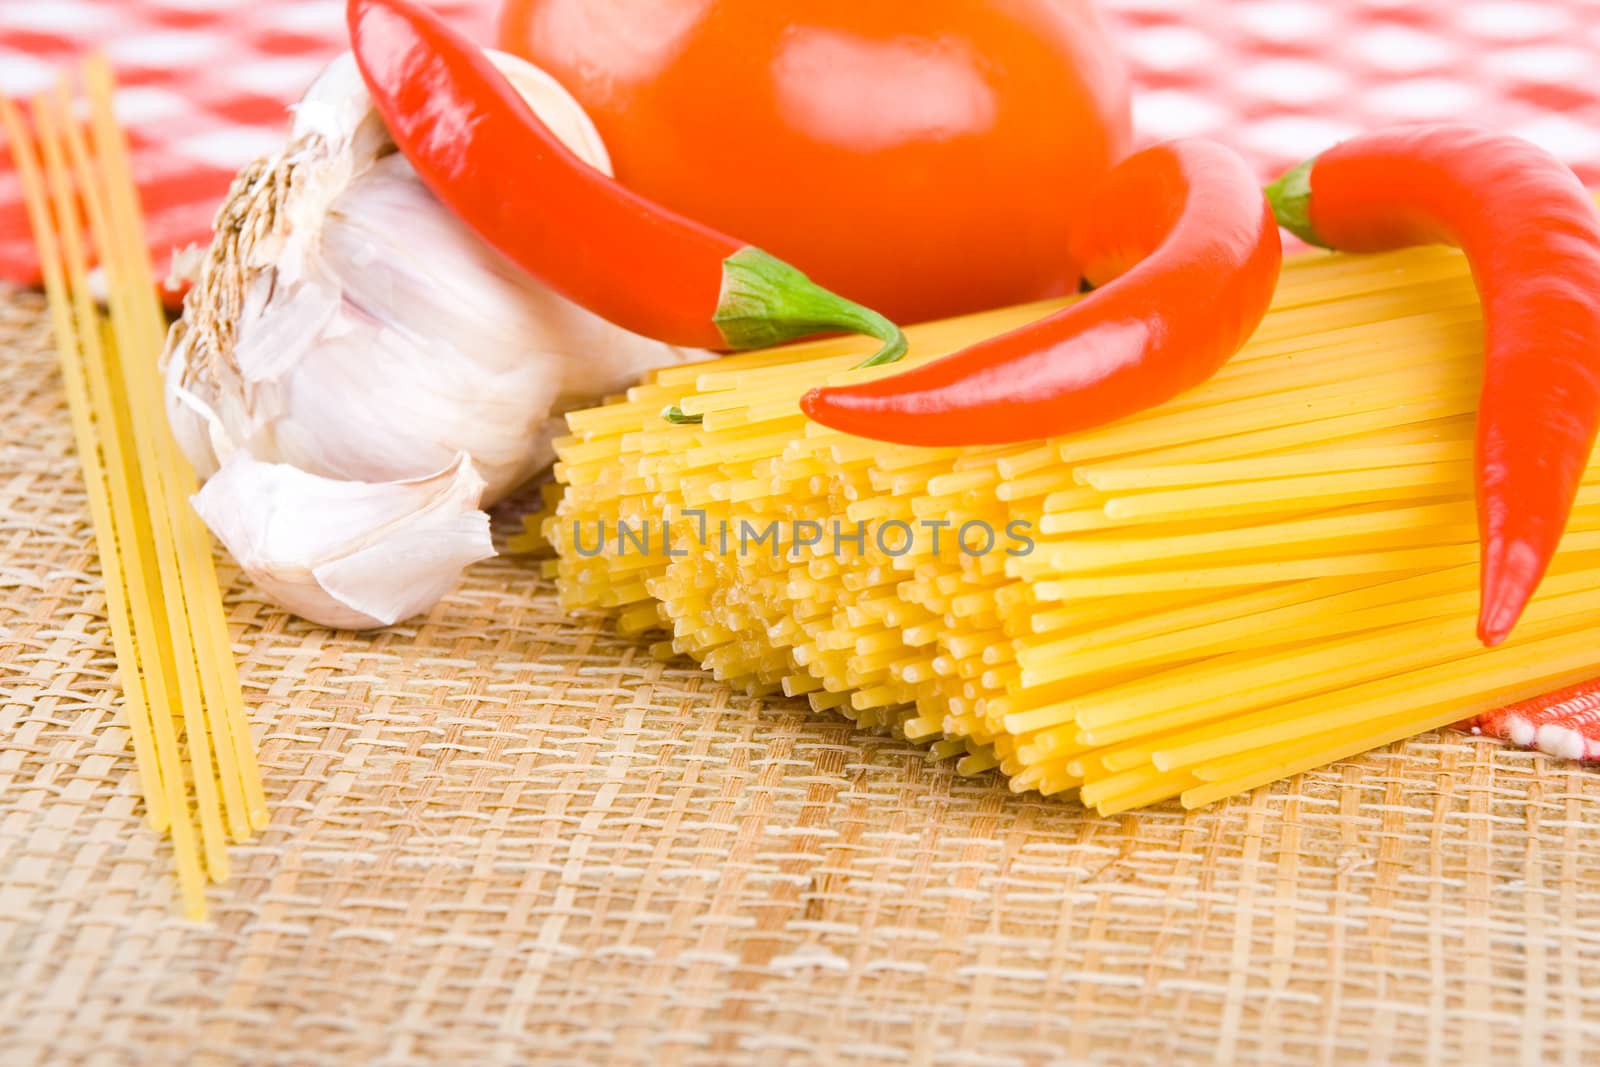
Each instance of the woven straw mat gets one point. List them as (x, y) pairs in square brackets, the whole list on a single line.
[(501, 835)]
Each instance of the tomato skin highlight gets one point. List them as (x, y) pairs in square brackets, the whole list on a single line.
[(1187, 254), (923, 159), (1531, 235)]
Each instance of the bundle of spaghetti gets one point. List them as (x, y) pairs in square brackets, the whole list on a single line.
[(1271, 572), (181, 693)]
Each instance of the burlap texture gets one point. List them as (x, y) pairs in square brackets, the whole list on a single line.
[(501, 835)]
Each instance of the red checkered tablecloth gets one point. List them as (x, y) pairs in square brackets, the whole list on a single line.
[(204, 83), (202, 88)]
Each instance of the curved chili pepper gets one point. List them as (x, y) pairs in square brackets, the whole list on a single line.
[(479, 147), (1187, 252), (1532, 239)]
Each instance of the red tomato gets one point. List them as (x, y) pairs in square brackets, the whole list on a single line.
[(922, 158)]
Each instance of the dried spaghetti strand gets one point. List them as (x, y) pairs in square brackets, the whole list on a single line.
[(105, 480), (179, 644), (70, 271), (224, 717)]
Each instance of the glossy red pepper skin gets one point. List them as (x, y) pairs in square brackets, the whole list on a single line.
[(479, 147), (1532, 239), (1185, 255)]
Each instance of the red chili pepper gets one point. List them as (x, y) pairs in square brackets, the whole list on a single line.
[(1189, 248), (479, 147), (1532, 239)]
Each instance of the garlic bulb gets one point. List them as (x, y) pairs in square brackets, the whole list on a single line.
[(345, 324)]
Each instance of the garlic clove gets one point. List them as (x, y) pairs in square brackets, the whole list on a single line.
[(350, 555)]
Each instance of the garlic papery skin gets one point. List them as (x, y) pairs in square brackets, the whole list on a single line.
[(350, 555), (346, 323)]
